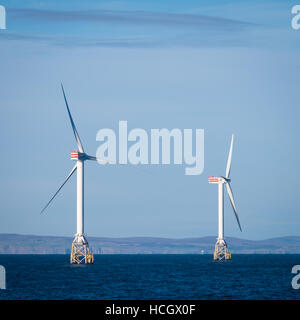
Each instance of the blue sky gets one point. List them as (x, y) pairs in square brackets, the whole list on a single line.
[(224, 66)]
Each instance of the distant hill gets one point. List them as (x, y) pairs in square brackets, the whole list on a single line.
[(30, 244)]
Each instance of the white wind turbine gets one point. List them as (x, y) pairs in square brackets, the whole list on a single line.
[(80, 252), (221, 251)]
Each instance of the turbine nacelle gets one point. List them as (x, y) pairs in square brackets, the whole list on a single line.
[(215, 180), (77, 155), (82, 156)]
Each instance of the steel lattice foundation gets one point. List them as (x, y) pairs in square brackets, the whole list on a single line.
[(221, 251), (80, 253)]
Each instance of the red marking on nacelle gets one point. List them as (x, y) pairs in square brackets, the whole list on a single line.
[(74, 155), (213, 179)]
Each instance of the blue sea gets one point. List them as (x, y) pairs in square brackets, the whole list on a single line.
[(150, 277)]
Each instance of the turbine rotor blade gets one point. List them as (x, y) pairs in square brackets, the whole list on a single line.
[(229, 191), (99, 160), (228, 166), (105, 161), (68, 177), (79, 144)]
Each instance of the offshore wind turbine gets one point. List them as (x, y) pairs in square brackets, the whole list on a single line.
[(80, 252), (221, 250)]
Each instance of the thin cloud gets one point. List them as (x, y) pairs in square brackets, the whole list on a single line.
[(188, 40), (184, 30), (127, 17)]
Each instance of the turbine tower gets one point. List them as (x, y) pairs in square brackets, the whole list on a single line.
[(221, 251), (80, 252)]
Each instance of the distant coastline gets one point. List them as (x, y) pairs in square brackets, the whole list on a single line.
[(32, 244)]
